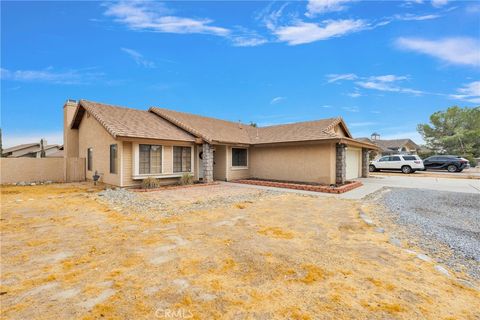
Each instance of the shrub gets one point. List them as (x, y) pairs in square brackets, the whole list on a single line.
[(187, 178), (151, 183)]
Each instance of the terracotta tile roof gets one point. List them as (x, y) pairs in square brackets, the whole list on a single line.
[(210, 129), (164, 124), (216, 130), (20, 147), (388, 145), (300, 131), (132, 123)]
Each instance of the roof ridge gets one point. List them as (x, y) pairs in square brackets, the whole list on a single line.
[(299, 122), (197, 115), (178, 123)]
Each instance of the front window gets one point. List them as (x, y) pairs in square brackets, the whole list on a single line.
[(150, 159), (89, 159), (182, 159), (113, 158), (239, 157)]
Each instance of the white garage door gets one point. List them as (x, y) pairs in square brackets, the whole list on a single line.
[(353, 163)]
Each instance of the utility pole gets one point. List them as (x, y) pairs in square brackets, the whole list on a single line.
[(42, 148), (1, 145)]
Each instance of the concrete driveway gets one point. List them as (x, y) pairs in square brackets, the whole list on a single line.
[(375, 183)]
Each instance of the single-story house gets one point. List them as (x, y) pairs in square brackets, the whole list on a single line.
[(126, 145), (392, 146), (31, 150)]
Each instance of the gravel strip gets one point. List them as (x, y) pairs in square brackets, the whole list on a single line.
[(127, 201), (439, 219)]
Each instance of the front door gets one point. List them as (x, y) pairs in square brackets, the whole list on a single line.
[(200, 162)]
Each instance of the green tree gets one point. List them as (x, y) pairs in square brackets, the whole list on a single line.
[(454, 131)]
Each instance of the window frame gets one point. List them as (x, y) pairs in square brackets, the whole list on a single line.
[(149, 159), (246, 158), (114, 170), (90, 159), (181, 159)]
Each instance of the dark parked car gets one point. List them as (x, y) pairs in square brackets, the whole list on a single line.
[(449, 163)]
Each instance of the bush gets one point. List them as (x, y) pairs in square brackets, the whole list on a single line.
[(187, 178), (151, 183)]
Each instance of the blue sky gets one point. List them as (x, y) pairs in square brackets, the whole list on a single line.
[(382, 66)]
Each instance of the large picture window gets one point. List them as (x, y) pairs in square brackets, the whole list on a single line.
[(89, 159), (150, 159), (113, 158), (182, 159), (239, 157)]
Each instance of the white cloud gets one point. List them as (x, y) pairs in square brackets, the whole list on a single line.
[(248, 40), (414, 17), (305, 32), (153, 16), (68, 77), (385, 86), (439, 3), (388, 78), (382, 83), (138, 58), (462, 51), (338, 77), (13, 139), (351, 109), (277, 100), (361, 124), (354, 94), (326, 106), (469, 92), (315, 7)]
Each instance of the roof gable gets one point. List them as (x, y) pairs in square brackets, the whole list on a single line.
[(126, 122)]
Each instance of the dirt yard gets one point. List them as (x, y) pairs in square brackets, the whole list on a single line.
[(67, 253)]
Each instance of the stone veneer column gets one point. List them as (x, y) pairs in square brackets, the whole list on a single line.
[(207, 162), (365, 163), (340, 164)]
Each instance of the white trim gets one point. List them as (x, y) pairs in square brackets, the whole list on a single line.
[(121, 163), (136, 159), (153, 175), (232, 167), (192, 166), (163, 156), (238, 168)]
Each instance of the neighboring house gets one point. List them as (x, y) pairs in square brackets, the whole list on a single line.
[(31, 150), (126, 145), (394, 146)]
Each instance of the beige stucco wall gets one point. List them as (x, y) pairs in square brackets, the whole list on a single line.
[(234, 173), (307, 163), (32, 169), (220, 163), (91, 134), (130, 147)]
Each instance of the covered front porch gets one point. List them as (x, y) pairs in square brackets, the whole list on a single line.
[(221, 162)]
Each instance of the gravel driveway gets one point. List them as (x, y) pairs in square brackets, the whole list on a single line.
[(439, 221)]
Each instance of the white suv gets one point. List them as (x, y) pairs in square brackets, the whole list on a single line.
[(405, 163)]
